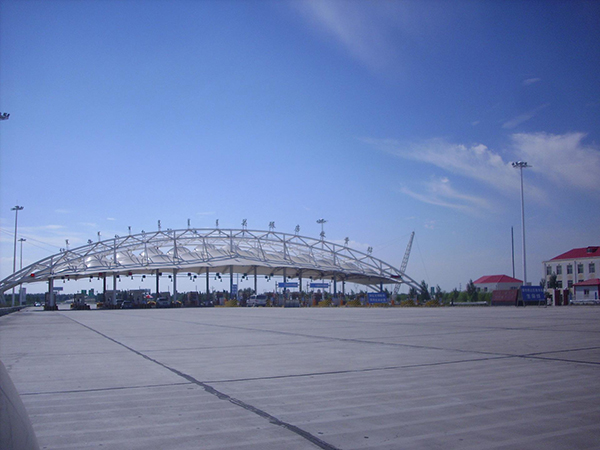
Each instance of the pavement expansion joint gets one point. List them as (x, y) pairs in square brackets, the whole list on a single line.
[(116, 388), (222, 396)]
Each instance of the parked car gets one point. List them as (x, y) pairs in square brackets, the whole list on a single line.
[(127, 304), (257, 300), (203, 303), (163, 302)]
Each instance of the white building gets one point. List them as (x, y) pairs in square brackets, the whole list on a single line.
[(575, 266), (490, 283), (587, 291)]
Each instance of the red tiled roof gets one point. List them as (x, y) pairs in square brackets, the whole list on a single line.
[(592, 282), (496, 279), (577, 253)]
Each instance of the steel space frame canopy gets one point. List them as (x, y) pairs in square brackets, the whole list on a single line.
[(214, 250)]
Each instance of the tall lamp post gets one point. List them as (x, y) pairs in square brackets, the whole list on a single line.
[(16, 209), (21, 268), (322, 222), (522, 165), (21, 241)]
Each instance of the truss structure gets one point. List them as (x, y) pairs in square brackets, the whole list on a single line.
[(215, 250)]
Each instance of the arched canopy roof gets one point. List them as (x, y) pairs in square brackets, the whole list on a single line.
[(216, 250)]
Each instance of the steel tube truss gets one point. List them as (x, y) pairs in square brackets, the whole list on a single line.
[(216, 250)]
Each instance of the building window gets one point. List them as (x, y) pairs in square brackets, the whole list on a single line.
[(570, 283), (559, 270), (586, 292), (569, 269), (580, 268), (559, 284), (592, 268), (548, 270)]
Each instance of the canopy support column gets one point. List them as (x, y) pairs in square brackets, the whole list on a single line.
[(255, 281), (300, 295), (174, 285), (230, 282), (157, 284), (51, 303), (207, 284), (284, 286), (113, 300)]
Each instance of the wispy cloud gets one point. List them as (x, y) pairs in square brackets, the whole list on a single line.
[(522, 118), (476, 161), (439, 192), (530, 81), (88, 224), (357, 26), (564, 159)]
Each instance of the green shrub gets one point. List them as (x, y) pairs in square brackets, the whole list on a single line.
[(407, 303), (354, 303), (432, 303)]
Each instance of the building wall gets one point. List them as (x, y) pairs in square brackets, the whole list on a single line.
[(580, 270), (586, 293), (490, 287)]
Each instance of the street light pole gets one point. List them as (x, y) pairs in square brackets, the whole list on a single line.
[(21, 241), (522, 165), (16, 209), (322, 222)]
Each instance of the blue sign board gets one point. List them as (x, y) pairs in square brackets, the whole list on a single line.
[(288, 285), (234, 289), (533, 294), (377, 297), (319, 285)]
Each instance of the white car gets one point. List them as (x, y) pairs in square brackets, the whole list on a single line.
[(257, 300)]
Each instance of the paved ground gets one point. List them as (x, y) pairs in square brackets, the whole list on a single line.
[(272, 378)]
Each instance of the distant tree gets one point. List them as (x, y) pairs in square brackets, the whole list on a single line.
[(462, 297), (552, 283), (453, 295), (438, 293), (472, 291), (424, 294), (412, 292)]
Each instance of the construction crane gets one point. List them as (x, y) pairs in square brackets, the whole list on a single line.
[(404, 262)]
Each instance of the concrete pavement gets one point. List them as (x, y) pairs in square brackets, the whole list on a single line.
[(332, 378)]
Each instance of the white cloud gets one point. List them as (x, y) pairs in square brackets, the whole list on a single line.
[(563, 159), (88, 224), (522, 118), (530, 81), (439, 192), (354, 25), (476, 161)]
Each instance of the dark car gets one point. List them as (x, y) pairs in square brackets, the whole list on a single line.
[(163, 302)]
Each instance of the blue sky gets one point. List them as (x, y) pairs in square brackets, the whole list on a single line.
[(382, 117)]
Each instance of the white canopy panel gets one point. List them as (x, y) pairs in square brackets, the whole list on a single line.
[(215, 250)]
